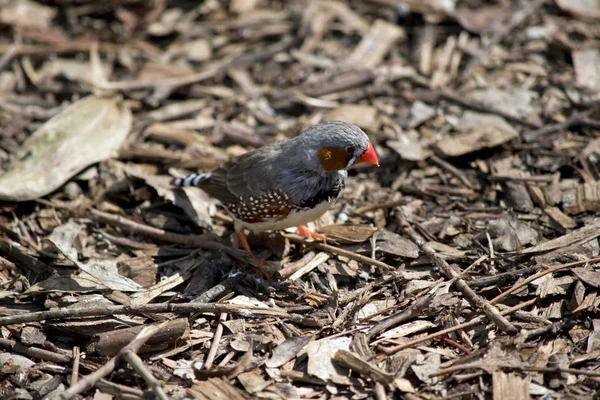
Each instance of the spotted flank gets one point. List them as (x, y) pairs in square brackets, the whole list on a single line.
[(192, 179), (272, 206)]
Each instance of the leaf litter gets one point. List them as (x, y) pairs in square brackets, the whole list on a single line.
[(466, 266)]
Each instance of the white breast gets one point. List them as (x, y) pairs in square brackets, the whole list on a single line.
[(295, 218)]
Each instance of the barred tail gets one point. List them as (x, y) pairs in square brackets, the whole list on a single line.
[(192, 179)]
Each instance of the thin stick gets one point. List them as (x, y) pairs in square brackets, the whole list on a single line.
[(452, 169), (340, 252), (90, 380), (200, 241), (473, 298), (474, 321), (210, 358), (246, 311), (138, 365), (488, 366), (34, 352), (312, 264), (75, 372), (577, 118), (379, 206), (547, 271)]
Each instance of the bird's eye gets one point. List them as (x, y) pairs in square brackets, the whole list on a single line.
[(350, 149)]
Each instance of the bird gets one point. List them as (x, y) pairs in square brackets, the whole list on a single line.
[(287, 183)]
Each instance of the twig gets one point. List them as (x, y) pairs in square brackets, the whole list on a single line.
[(71, 46), (452, 169), (383, 281), (205, 242), (210, 358), (119, 391), (75, 372), (540, 178), (474, 321), (34, 352), (457, 345), (379, 206), (415, 309), (8, 56), (517, 18), (340, 252), (577, 118), (246, 311), (312, 264), (501, 278), (295, 266), (475, 300), (90, 380), (487, 366), (547, 271), (138, 365)]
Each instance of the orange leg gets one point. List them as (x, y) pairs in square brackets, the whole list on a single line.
[(306, 233), (246, 246)]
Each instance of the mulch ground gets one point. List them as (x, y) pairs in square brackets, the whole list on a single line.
[(465, 266)]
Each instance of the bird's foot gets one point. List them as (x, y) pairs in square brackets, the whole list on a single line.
[(307, 233), (259, 263)]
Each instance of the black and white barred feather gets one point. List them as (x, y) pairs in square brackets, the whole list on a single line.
[(193, 179)]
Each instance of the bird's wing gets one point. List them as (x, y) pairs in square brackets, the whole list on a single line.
[(251, 174)]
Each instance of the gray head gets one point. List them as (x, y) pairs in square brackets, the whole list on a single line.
[(334, 146)]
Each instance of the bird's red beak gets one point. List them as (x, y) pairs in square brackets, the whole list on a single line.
[(369, 156)]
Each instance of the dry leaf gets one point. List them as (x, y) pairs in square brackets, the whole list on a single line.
[(479, 131), (287, 350), (89, 131), (584, 9), (348, 233), (396, 245), (103, 271), (588, 275), (27, 14), (320, 359)]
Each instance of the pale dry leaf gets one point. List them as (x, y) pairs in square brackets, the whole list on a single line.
[(253, 381), (514, 101), (484, 19), (320, 359), (89, 131), (478, 132), (585, 9), (426, 367), (587, 67), (407, 329), (375, 44), (287, 350), (511, 234), (27, 14), (375, 307), (103, 271), (404, 385), (409, 146), (420, 112)]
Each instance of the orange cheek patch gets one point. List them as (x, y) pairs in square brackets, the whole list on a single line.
[(333, 158)]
